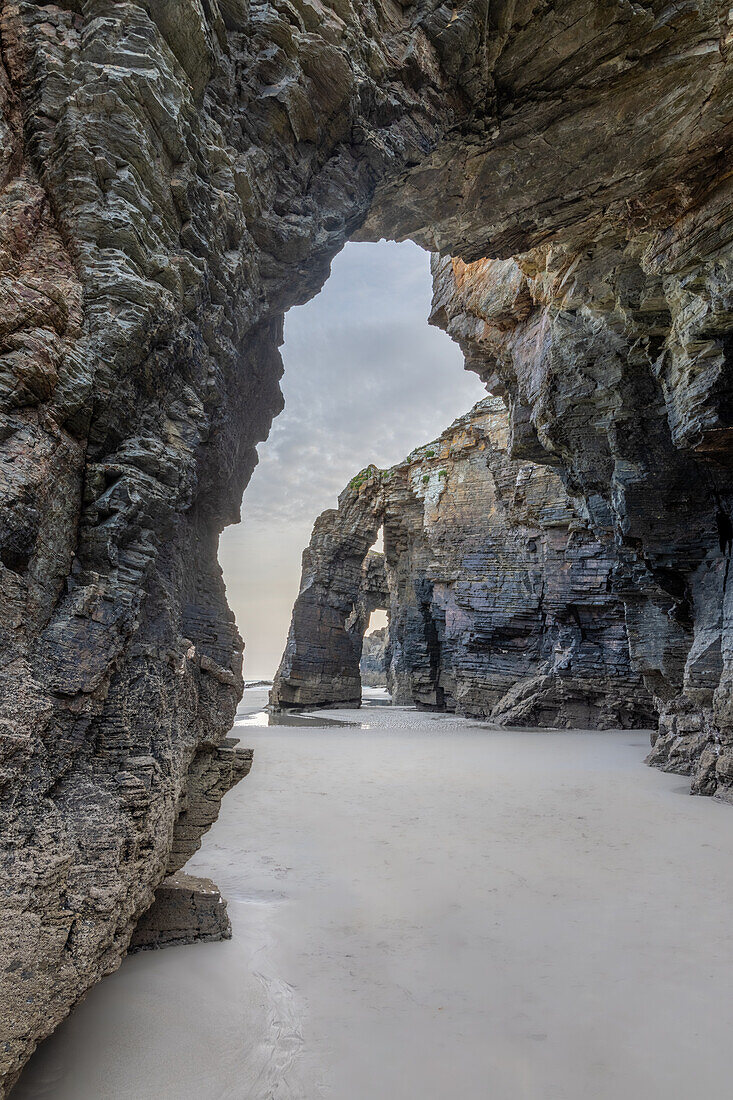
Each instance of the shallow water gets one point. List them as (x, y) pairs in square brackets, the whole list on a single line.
[(429, 909), (247, 716), (290, 718)]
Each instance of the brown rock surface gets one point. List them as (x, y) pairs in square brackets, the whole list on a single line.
[(173, 176)]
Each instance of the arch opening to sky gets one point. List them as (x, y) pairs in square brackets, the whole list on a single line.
[(366, 380)]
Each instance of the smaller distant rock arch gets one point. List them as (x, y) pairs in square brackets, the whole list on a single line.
[(500, 596)]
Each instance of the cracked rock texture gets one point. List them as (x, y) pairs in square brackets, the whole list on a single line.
[(342, 582), (174, 175), (502, 601)]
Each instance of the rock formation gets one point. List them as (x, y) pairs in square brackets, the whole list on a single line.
[(616, 364), (375, 658), (174, 175), (502, 600), (185, 910), (342, 582)]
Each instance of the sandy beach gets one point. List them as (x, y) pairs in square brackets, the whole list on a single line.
[(424, 908)]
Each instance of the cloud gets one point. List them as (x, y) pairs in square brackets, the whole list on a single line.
[(366, 380)]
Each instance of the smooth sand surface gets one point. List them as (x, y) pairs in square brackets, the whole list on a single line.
[(428, 910)]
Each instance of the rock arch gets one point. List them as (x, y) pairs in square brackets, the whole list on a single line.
[(502, 599), (174, 175), (343, 581)]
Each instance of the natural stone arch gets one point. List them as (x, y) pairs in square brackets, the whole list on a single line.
[(501, 596), (173, 177), (342, 582)]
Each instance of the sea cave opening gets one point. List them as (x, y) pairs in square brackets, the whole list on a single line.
[(444, 906)]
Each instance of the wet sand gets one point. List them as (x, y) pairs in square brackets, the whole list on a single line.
[(426, 910)]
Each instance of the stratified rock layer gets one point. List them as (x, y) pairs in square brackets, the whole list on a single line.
[(502, 601), (174, 174), (185, 910)]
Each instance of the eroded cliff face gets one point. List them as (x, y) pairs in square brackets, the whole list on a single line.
[(174, 174), (502, 601), (616, 363)]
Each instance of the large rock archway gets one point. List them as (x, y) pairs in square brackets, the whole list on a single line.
[(174, 175)]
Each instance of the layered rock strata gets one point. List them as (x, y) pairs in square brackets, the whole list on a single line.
[(502, 600), (185, 910), (174, 174), (616, 364), (342, 582)]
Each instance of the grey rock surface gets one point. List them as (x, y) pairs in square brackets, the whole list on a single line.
[(173, 177), (615, 363), (502, 600)]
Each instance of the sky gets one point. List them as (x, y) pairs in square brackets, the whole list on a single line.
[(366, 380)]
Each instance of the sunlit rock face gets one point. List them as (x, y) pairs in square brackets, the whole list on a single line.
[(174, 174), (502, 600)]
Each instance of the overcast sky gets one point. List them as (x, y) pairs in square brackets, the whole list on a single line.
[(366, 380)]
